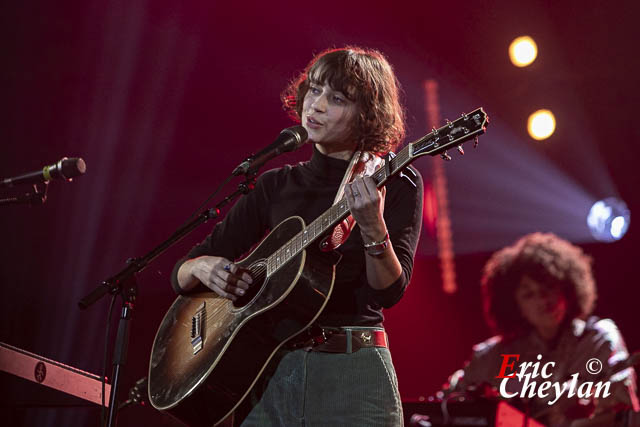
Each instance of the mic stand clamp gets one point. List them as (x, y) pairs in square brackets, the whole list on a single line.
[(249, 183), (38, 197)]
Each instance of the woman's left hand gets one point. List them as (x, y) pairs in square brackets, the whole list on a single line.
[(366, 203)]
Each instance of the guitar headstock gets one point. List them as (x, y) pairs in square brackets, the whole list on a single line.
[(453, 134)]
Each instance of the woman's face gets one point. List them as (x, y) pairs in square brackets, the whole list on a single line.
[(329, 117), (544, 308)]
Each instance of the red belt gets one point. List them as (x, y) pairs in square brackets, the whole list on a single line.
[(339, 340)]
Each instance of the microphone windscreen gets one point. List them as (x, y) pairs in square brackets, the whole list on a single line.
[(300, 135), (73, 167)]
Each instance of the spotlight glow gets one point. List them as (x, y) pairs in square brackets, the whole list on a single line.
[(541, 124), (608, 219), (617, 225), (523, 51)]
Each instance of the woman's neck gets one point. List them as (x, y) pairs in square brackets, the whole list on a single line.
[(342, 152)]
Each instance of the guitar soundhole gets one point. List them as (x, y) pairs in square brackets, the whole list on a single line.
[(257, 270)]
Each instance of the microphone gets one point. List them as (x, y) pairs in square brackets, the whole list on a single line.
[(290, 139), (65, 169)]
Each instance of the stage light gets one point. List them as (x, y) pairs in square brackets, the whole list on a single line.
[(608, 219), (523, 51), (541, 124)]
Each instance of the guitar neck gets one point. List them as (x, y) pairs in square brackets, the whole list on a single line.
[(330, 218), (454, 133)]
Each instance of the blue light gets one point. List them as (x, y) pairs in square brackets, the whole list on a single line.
[(608, 219)]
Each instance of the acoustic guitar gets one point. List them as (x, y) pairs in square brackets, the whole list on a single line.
[(209, 351)]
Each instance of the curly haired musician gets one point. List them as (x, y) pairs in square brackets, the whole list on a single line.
[(538, 296), (347, 100)]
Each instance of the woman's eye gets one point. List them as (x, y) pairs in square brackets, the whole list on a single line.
[(338, 100), (314, 90)]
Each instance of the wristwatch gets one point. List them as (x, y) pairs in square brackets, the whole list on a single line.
[(377, 248)]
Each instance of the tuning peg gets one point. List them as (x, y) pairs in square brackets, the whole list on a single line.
[(448, 123), (464, 116), (475, 142), (445, 156), (434, 130), (460, 150)]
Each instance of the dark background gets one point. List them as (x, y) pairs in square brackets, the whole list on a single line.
[(162, 100)]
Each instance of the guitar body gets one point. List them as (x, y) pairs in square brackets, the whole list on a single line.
[(209, 351)]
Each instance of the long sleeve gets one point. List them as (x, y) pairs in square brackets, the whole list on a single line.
[(307, 190), (403, 216)]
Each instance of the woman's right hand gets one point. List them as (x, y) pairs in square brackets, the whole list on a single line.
[(221, 276)]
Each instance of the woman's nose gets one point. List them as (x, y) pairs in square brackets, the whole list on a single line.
[(320, 103)]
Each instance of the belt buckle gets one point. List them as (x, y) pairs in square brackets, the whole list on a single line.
[(366, 337), (317, 334)]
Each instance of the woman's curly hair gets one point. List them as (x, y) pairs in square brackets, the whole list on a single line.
[(365, 77), (550, 261)]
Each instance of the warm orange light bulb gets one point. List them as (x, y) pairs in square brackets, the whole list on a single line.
[(541, 124), (523, 51)]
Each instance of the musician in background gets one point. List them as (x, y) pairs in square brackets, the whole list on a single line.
[(347, 100), (538, 296)]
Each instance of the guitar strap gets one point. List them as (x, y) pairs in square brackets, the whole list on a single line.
[(363, 163)]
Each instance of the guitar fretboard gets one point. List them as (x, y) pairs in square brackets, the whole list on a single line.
[(453, 133), (329, 219)]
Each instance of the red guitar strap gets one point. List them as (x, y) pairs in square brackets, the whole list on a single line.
[(362, 163)]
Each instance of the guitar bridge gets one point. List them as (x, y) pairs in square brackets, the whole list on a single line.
[(197, 328)]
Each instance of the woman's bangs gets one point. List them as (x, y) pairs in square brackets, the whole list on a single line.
[(335, 76)]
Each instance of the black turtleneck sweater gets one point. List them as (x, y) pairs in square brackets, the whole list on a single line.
[(307, 190)]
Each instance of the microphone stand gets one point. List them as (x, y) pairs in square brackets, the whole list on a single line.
[(37, 197), (124, 284)]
